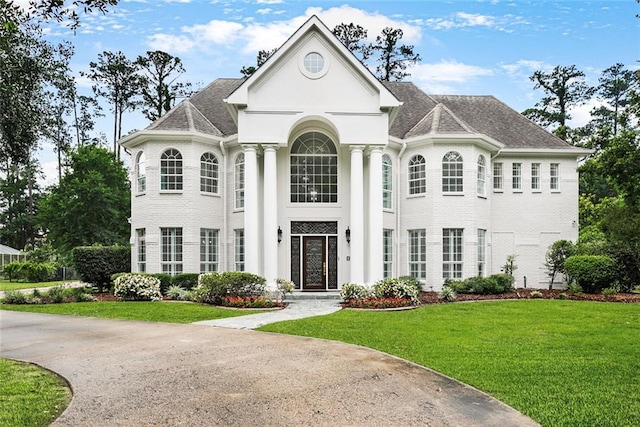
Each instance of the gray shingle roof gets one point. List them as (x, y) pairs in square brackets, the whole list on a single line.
[(420, 114)]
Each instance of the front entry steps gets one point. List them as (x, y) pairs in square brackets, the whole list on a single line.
[(306, 295)]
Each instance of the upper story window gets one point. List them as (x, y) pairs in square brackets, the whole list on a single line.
[(452, 173), (171, 170), (417, 175), (535, 176), (239, 181), (141, 173), (516, 176), (497, 177), (314, 169), (387, 183), (554, 175), (314, 62), (209, 173), (482, 173)]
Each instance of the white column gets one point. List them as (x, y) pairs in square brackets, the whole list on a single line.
[(374, 240), (357, 216), (251, 209), (270, 215)]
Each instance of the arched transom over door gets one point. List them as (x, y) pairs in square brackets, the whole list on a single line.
[(314, 169)]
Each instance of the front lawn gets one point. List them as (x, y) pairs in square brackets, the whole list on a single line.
[(171, 312), (563, 363), (6, 285)]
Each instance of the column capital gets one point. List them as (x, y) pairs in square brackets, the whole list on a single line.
[(270, 147), (356, 148), (250, 147), (375, 149)]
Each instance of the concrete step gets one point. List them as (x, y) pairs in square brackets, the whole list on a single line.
[(301, 296)]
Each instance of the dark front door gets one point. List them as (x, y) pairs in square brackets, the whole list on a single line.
[(314, 264)]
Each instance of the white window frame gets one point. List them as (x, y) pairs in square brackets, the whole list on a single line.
[(535, 177), (141, 237), (417, 175), (452, 253), (387, 182), (239, 181), (498, 177), (209, 173), (452, 173), (387, 253), (516, 177), (482, 176), (238, 245), (313, 169), (171, 177), (554, 176), (482, 252), (141, 173), (209, 257), (418, 253), (171, 250)]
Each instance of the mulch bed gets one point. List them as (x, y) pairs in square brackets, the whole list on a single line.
[(525, 293)]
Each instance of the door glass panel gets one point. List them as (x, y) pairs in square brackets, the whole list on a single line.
[(295, 261), (314, 255)]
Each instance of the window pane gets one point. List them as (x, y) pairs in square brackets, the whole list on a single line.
[(314, 169)]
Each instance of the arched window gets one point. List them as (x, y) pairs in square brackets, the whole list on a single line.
[(239, 181), (452, 173), (209, 173), (387, 183), (482, 174), (171, 170), (141, 173), (417, 175), (314, 169)]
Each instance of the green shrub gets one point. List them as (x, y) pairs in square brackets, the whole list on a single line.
[(607, 292), (447, 294), (165, 281), (395, 288), (15, 297), (176, 292), (56, 294), (412, 281), (137, 287), (492, 285), (536, 294), (31, 271), (592, 272), (214, 285), (186, 281), (562, 295), (96, 264), (12, 270), (351, 291), (574, 289)]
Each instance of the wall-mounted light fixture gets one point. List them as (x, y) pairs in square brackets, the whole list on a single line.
[(279, 234), (347, 234)]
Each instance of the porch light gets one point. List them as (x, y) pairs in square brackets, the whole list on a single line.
[(279, 234), (347, 234)]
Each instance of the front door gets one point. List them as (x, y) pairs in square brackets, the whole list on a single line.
[(314, 270)]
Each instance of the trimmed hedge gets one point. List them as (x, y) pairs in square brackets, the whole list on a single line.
[(592, 272), (492, 285), (31, 271), (96, 264), (212, 287)]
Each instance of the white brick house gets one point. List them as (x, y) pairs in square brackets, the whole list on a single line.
[(313, 170)]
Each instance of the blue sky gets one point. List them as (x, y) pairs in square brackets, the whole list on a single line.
[(482, 47)]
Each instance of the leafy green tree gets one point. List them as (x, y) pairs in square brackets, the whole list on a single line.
[(615, 88), (160, 71), (354, 37), (558, 252), (564, 87), (117, 80), (393, 57), (90, 205), (261, 58), (58, 10)]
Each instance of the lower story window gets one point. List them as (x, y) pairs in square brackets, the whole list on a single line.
[(387, 253), (239, 249), (418, 254), (142, 249), (482, 252), (452, 253), (208, 250), (171, 250)]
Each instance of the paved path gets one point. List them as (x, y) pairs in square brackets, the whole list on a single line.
[(126, 373)]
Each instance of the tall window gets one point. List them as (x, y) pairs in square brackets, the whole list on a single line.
[(209, 173), (314, 169), (482, 173), (516, 176), (387, 183), (387, 253), (171, 250), (208, 250), (452, 253), (535, 176), (554, 173), (452, 173), (141, 173), (142, 249), (497, 176), (482, 252), (171, 170), (239, 181), (418, 254), (238, 244), (417, 175)]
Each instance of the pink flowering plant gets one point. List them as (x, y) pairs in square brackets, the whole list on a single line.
[(137, 287)]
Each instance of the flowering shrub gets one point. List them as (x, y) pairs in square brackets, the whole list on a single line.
[(213, 286), (249, 302), (137, 287), (395, 288), (378, 303), (352, 291), (285, 287)]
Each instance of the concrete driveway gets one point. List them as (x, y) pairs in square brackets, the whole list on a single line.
[(126, 373)]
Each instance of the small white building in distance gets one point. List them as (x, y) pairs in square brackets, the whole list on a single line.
[(314, 171)]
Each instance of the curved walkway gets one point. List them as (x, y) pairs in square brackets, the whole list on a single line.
[(126, 373)]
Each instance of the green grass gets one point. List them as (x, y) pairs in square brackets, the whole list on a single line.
[(6, 285), (563, 363), (30, 395), (170, 312)]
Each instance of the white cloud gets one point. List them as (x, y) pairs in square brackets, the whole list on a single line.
[(448, 71), (581, 115), (466, 20), (269, 1), (170, 43), (215, 31)]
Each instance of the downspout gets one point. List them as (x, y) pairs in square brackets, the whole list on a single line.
[(397, 198), (223, 150)]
